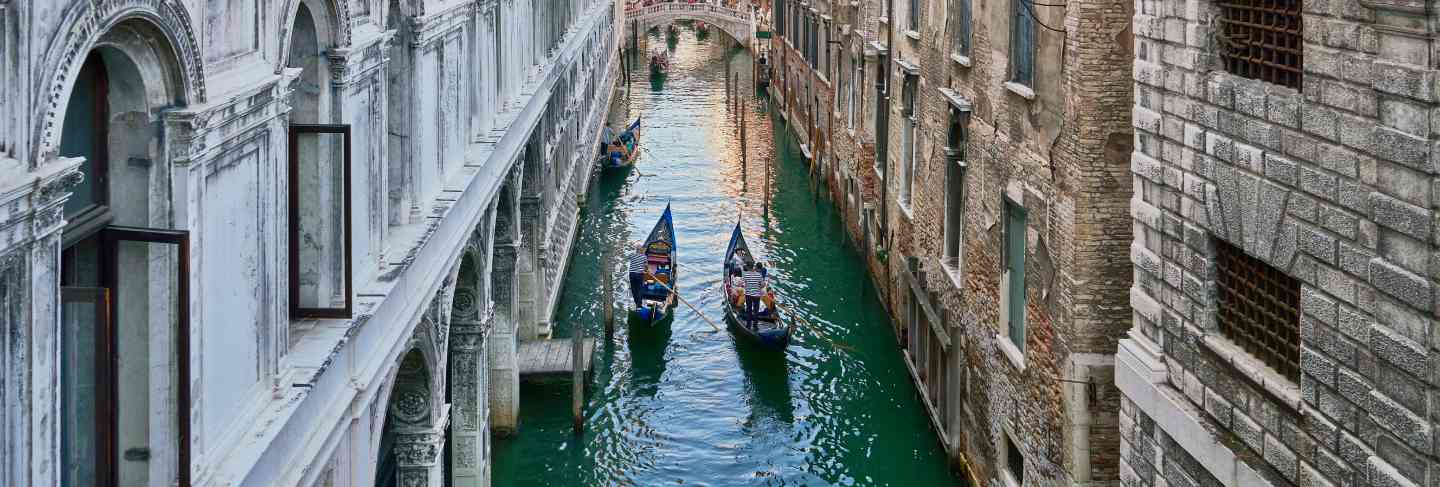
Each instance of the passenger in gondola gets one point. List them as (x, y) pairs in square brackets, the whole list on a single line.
[(754, 289), (608, 135), (618, 153), (637, 271)]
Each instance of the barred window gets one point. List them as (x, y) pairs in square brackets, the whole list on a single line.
[(1261, 39), (1259, 309)]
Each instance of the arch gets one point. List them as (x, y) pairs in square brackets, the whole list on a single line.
[(406, 440), (734, 23), (332, 24), (89, 22), (467, 434)]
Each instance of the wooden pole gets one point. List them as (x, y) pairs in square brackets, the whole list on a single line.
[(729, 93), (577, 378), (744, 151), (609, 294)]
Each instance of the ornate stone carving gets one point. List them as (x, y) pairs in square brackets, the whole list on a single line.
[(411, 405), (87, 22), (466, 378), (416, 449), (465, 452)]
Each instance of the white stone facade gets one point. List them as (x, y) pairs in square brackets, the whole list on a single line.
[(284, 242)]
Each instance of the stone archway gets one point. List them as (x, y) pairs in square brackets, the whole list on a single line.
[(332, 25), (410, 443), (468, 436), (173, 42), (117, 392), (504, 379)]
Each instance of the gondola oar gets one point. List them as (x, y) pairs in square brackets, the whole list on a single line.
[(813, 328), (687, 303)]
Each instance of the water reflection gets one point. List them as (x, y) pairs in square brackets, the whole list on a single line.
[(685, 404)]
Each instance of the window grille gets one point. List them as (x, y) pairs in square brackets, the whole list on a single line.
[(1259, 309), (1262, 39)]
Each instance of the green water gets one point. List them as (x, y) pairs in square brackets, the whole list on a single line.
[(684, 405)]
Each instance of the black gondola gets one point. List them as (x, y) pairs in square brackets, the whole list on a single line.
[(610, 158), (767, 327), (655, 297)]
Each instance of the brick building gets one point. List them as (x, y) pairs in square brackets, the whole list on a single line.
[(997, 226), (1285, 246)]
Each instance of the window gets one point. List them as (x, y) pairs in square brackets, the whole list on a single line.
[(908, 143), (1022, 43), (912, 20), (956, 141), (125, 409), (960, 28), (1261, 39), (1014, 462), (1012, 281), (881, 80), (855, 80), (320, 278), (1259, 309)]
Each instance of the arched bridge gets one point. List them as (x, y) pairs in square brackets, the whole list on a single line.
[(737, 23)]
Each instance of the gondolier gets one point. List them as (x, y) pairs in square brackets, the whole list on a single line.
[(746, 290), (754, 288), (637, 269)]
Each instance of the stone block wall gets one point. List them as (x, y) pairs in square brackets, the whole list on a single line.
[(1334, 185)]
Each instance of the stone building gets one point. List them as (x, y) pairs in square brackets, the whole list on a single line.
[(1285, 247), (290, 242), (996, 219)]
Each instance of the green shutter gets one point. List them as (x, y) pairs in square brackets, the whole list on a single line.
[(1015, 264)]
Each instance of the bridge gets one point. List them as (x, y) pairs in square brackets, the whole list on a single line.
[(738, 24)]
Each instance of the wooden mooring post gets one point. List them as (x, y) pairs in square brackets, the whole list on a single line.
[(608, 291), (577, 378), (744, 151)]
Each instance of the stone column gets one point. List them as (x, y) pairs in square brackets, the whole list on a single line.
[(504, 371), (528, 295), (417, 457), (469, 428), (30, 319)]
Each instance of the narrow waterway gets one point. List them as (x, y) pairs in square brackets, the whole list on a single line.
[(685, 405)]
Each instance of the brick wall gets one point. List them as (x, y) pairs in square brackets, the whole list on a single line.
[(1334, 185)]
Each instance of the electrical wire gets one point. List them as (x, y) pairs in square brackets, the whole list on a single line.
[(1037, 18)]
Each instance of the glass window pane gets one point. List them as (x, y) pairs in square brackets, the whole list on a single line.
[(83, 313), (84, 134), (145, 327), (319, 219)]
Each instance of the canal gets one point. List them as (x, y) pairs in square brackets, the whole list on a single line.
[(687, 405)]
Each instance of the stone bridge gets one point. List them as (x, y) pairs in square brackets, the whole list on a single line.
[(738, 24)]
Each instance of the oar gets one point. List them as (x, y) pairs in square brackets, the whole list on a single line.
[(814, 328), (687, 303)]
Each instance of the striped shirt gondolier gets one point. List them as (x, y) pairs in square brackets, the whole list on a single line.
[(753, 283), (637, 263)]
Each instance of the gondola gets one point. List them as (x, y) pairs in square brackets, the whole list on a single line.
[(659, 65), (655, 299), (631, 139), (770, 328)]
